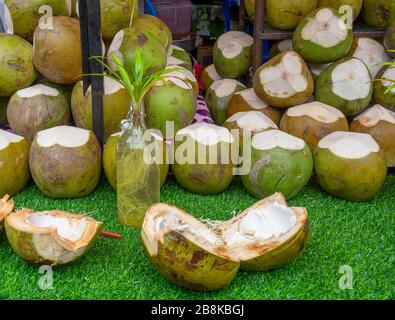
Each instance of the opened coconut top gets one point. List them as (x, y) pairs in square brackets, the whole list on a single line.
[(232, 43), (6, 138), (252, 120), (255, 231), (65, 136), (349, 145), (111, 86), (37, 90), (174, 61), (181, 73), (206, 134), (212, 72), (225, 87), (351, 80), (326, 29), (6, 207), (285, 78), (375, 114), (388, 74), (271, 139), (252, 99), (173, 48), (316, 110)]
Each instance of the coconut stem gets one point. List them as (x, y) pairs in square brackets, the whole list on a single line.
[(108, 234)]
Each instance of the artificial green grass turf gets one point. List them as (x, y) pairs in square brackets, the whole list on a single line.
[(361, 235)]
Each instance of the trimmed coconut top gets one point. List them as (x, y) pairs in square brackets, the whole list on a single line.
[(271, 139), (37, 90), (326, 29), (372, 53), (252, 99), (212, 73), (173, 48), (116, 45), (252, 120), (181, 73), (351, 80), (389, 74), (286, 78), (232, 43), (285, 45), (225, 87), (375, 114), (207, 133), (316, 110), (174, 61), (317, 68), (6, 138), (349, 145), (6, 18), (65, 136), (111, 86)]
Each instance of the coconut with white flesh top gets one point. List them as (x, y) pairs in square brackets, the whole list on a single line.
[(173, 61), (26, 14), (203, 158), (171, 101), (345, 85), (381, 88), (14, 163), (284, 81), (371, 52), (16, 64), (109, 158), (379, 122), (233, 54), (65, 162), (188, 253), (247, 100), (57, 51), (281, 46), (116, 105), (389, 39), (356, 6), (125, 44), (218, 97), (286, 14), (279, 163), (185, 75), (313, 121), (37, 108), (180, 54), (322, 36), (6, 207), (209, 76), (350, 165), (54, 238), (378, 13)]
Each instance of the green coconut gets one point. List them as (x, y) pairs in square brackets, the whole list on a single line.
[(389, 39), (209, 76), (190, 254), (54, 238), (384, 80), (249, 6), (57, 51), (16, 64), (350, 165), (284, 81), (177, 56), (14, 163), (6, 207), (286, 14), (3, 111), (322, 36), (116, 105), (171, 101), (203, 158), (156, 26), (280, 46), (345, 85), (128, 40), (37, 108), (109, 159), (378, 13), (279, 163), (65, 162), (356, 5), (218, 97), (27, 14), (233, 54)]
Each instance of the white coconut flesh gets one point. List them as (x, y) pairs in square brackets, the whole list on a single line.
[(174, 48), (212, 73), (271, 139), (285, 45), (372, 116), (284, 79), (316, 110), (250, 97), (326, 29), (7, 138), (206, 134), (224, 88), (180, 77), (111, 86), (116, 45), (174, 61), (233, 43), (65, 136), (6, 18), (252, 120), (351, 80), (372, 53), (37, 90), (267, 224), (389, 74), (349, 145)]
